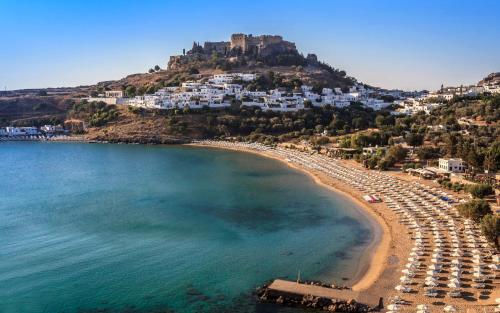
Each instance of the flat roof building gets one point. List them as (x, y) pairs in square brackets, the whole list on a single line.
[(455, 165)]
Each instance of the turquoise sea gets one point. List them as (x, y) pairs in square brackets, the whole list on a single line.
[(130, 228)]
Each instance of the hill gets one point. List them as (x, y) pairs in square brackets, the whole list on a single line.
[(277, 61), (492, 79), (244, 54)]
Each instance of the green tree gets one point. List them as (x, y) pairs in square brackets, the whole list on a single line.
[(414, 139), (380, 121), (383, 164), (359, 123), (151, 90), (425, 153), (480, 190), (130, 91), (474, 209), (157, 68), (397, 152), (151, 70), (490, 227)]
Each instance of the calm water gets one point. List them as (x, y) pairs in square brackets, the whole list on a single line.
[(121, 228)]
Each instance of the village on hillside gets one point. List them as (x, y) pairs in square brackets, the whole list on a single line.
[(221, 90)]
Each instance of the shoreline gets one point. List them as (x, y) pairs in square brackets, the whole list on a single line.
[(371, 265)]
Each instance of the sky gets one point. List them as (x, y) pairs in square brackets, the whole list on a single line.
[(410, 44)]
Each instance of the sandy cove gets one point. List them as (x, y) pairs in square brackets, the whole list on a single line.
[(380, 269)]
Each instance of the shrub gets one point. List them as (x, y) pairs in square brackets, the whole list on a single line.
[(474, 209), (383, 164), (490, 227), (480, 190), (322, 140), (398, 153)]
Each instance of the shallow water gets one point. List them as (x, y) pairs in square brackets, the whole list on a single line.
[(127, 228)]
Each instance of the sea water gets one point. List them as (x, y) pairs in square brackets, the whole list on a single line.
[(130, 228)]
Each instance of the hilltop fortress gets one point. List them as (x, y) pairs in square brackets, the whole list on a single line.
[(249, 44), (239, 45)]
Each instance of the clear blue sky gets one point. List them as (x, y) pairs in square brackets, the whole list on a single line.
[(409, 44)]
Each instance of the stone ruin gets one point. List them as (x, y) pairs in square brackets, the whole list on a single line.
[(240, 44)]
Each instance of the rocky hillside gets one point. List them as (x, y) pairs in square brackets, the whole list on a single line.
[(277, 60), (37, 110), (263, 54), (492, 79)]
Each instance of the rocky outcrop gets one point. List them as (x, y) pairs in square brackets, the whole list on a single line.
[(266, 295), (493, 78)]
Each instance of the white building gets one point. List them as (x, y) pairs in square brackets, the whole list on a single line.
[(21, 131), (114, 94), (375, 104), (50, 129), (412, 106), (455, 165), (220, 89)]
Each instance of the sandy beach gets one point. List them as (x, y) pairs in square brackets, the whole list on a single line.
[(380, 268)]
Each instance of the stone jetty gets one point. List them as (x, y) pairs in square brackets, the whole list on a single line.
[(314, 296)]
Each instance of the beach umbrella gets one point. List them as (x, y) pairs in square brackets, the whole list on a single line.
[(455, 268), (455, 280), (422, 307), (393, 307), (453, 285), (449, 308), (495, 267), (434, 267), (406, 281), (431, 283), (497, 300)]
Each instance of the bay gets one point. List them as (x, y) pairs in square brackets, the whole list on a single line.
[(130, 228)]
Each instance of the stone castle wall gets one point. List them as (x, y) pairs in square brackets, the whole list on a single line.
[(263, 45), (220, 46), (249, 42), (239, 41)]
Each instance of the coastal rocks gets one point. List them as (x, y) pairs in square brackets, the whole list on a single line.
[(322, 284), (266, 295)]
